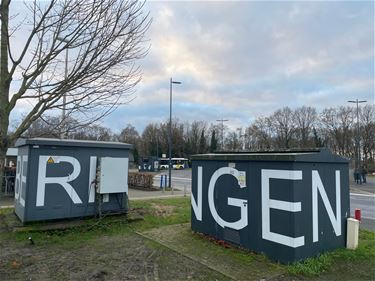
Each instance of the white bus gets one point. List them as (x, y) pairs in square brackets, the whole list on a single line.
[(177, 163), (180, 163), (163, 163)]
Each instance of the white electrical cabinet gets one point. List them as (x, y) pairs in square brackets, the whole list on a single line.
[(113, 175), (352, 231)]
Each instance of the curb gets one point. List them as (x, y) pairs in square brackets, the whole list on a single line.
[(6, 206), (159, 197)]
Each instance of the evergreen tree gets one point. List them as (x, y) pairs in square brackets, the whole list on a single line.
[(213, 144), (202, 143)]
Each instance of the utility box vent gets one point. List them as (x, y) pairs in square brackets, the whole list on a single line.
[(113, 175)]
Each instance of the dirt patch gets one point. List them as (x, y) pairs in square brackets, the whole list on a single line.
[(3, 224), (162, 210), (233, 263), (8, 221), (115, 257)]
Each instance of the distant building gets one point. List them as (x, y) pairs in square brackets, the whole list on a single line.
[(11, 157)]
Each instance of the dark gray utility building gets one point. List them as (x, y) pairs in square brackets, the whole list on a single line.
[(289, 205), (59, 179), (149, 164)]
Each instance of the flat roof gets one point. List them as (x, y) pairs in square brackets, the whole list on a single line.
[(70, 142), (313, 155), (12, 151)]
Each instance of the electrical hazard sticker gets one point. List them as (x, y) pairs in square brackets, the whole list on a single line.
[(242, 179), (50, 160)]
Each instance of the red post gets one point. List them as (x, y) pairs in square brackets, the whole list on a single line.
[(357, 214)]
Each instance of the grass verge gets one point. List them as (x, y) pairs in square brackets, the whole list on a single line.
[(361, 260), (341, 264)]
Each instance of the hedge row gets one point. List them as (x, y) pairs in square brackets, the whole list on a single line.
[(140, 180)]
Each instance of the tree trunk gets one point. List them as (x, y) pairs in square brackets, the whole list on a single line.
[(4, 87), (2, 170)]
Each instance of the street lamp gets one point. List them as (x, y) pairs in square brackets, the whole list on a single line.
[(222, 131), (357, 139), (65, 77), (240, 135), (170, 131)]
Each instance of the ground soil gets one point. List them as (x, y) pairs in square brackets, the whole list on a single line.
[(115, 257), (115, 251), (242, 265), (162, 210), (219, 258)]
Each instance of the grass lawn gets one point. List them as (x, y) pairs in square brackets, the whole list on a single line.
[(159, 247)]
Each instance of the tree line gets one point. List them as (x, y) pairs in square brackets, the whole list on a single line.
[(303, 127)]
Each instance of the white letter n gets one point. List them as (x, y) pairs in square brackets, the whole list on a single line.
[(197, 208), (317, 185)]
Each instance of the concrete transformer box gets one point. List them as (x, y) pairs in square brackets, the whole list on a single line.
[(58, 179), (287, 205)]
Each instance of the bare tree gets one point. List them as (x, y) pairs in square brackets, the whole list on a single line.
[(367, 118), (338, 125), (177, 137), (105, 38), (93, 132), (153, 142), (47, 127), (129, 135), (284, 127), (43, 127), (232, 142), (259, 135), (305, 117), (193, 137)]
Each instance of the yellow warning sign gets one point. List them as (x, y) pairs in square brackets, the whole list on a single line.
[(50, 160)]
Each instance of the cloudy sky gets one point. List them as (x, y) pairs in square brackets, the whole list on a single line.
[(240, 60)]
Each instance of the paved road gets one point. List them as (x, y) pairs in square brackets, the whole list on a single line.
[(177, 182), (366, 188), (181, 178), (364, 202)]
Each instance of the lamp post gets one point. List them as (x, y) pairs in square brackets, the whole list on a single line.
[(357, 139), (157, 147), (240, 135), (222, 131), (64, 95), (170, 132)]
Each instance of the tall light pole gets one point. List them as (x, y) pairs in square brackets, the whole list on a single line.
[(157, 147), (357, 139), (64, 95), (170, 131), (240, 135), (222, 131)]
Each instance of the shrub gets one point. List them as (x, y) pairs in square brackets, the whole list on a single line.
[(141, 180)]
